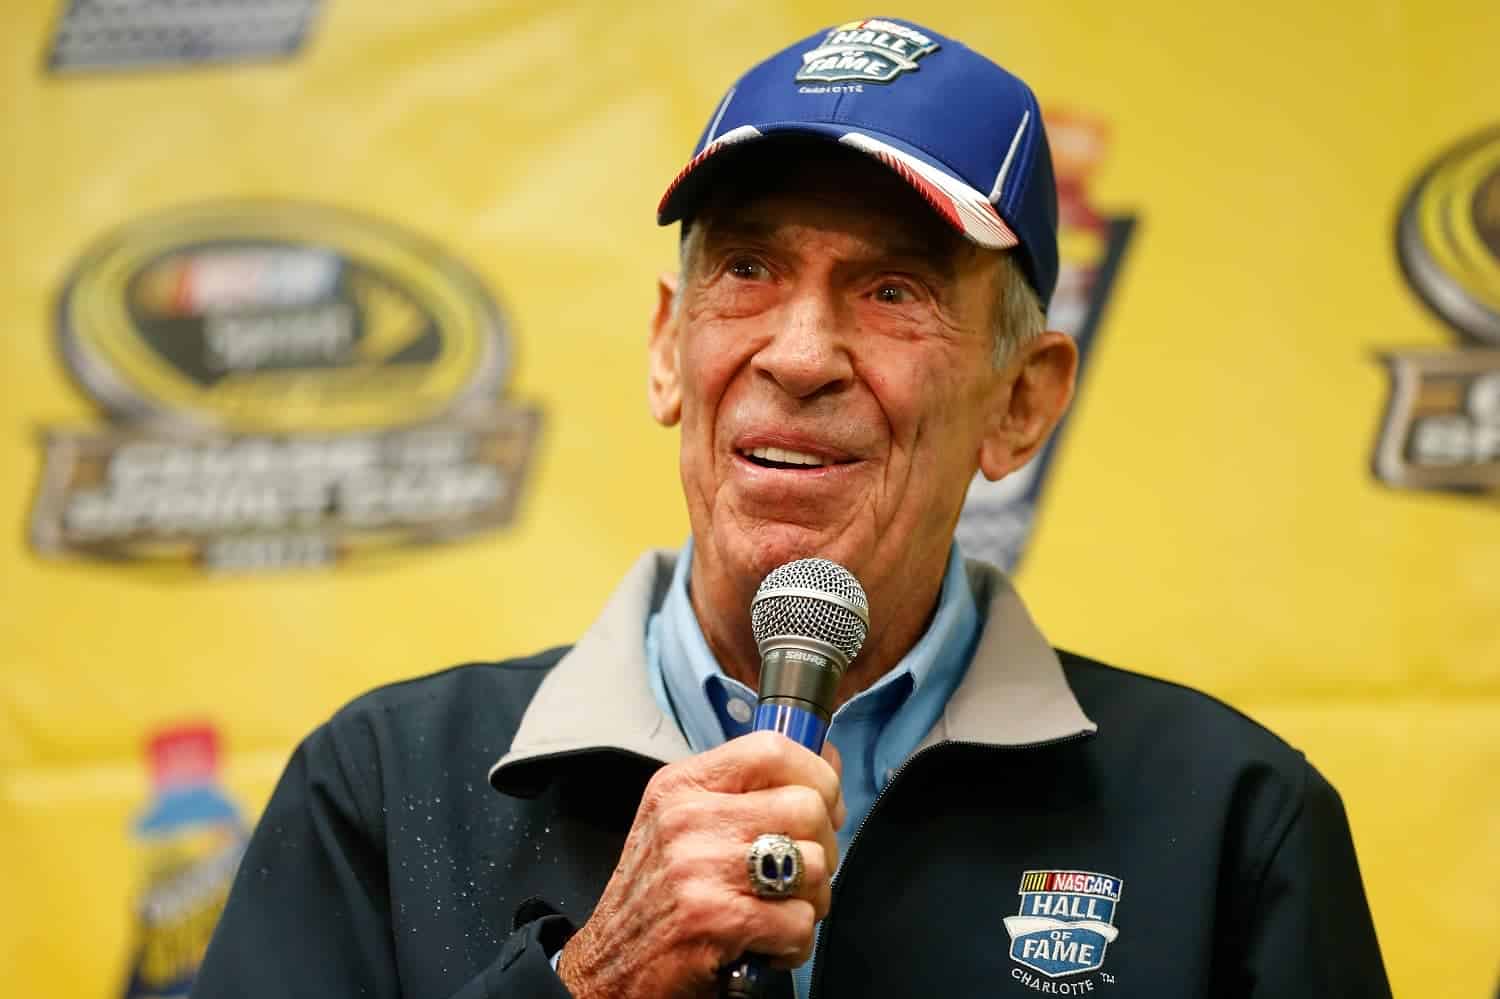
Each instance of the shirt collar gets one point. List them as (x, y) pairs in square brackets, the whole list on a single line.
[(711, 707), (598, 697), (686, 679)]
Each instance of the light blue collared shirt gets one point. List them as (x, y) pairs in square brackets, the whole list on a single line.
[(875, 731)]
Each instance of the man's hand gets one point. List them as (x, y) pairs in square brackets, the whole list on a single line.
[(679, 905)]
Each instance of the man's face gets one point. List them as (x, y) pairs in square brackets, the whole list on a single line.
[(829, 356)]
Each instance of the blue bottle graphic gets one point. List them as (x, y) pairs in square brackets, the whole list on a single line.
[(190, 839)]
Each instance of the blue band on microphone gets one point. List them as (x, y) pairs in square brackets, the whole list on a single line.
[(802, 727)]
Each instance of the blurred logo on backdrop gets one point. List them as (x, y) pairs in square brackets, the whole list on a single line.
[(997, 516), (1442, 424), (287, 385), (189, 839), (134, 34)]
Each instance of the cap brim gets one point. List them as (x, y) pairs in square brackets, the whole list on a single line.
[(962, 206)]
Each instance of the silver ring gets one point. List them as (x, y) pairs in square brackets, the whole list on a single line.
[(775, 866)]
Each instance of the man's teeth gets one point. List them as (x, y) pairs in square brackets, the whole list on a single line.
[(785, 457)]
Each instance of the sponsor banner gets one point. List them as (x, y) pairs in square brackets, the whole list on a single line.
[(188, 841), (1448, 237), (287, 386), (1442, 424), (201, 386), (1442, 427), (273, 501), (136, 34)]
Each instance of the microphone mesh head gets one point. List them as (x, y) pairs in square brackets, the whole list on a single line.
[(812, 598)]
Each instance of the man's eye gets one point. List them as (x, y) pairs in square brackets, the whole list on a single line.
[(748, 270), (893, 294)]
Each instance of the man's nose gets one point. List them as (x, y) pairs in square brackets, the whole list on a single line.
[(807, 354)]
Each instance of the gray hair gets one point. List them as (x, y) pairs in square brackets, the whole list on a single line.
[(1019, 317)]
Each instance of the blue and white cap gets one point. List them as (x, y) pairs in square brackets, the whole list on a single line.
[(966, 134)]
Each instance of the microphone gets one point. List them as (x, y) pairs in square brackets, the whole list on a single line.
[(810, 618)]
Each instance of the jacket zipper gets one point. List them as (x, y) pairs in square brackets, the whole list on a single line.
[(819, 946)]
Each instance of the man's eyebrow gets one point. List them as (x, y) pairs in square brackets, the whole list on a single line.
[(726, 229), (932, 255), (937, 259)]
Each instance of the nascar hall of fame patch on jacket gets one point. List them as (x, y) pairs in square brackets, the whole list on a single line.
[(136, 34), (1442, 424), (1065, 924), (868, 51), (287, 385), (997, 516)]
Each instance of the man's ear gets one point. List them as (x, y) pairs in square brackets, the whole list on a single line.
[(1035, 389), (664, 386)]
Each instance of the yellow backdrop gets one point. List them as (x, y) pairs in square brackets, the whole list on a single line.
[(477, 181)]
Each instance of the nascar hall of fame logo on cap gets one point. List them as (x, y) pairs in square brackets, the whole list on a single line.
[(136, 34), (869, 51), (286, 385), (997, 516), (1442, 424), (1065, 924)]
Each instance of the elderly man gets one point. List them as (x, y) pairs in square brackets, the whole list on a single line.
[(869, 241)]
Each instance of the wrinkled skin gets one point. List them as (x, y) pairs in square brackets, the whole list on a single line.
[(679, 907)]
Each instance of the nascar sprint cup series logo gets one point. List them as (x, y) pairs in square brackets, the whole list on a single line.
[(1442, 425), (286, 385)]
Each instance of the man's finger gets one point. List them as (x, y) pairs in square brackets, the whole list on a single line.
[(762, 760), (817, 868), (836, 760), (834, 757), (794, 810), (784, 931)]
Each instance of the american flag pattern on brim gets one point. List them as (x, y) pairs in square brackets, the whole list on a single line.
[(965, 208), (962, 206), (742, 134)]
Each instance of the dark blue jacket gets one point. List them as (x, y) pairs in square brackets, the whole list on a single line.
[(1141, 840)]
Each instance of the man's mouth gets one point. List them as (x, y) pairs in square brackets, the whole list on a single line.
[(780, 457)]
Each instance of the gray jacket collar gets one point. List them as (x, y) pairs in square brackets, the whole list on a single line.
[(598, 695)]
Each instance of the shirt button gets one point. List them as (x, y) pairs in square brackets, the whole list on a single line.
[(740, 710)]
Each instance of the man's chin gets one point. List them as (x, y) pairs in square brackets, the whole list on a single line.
[(755, 553)]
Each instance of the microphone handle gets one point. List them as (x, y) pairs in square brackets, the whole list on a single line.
[(749, 977), (794, 719)]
